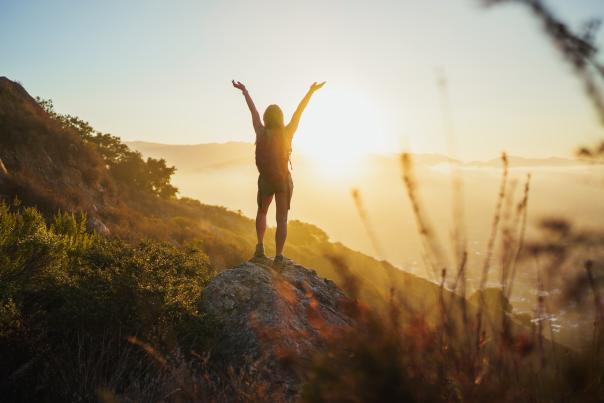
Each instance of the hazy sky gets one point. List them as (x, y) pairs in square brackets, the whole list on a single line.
[(160, 70)]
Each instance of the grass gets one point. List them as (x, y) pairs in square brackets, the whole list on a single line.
[(69, 298), (462, 349)]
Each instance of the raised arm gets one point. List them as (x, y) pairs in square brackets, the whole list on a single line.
[(293, 124), (250, 104)]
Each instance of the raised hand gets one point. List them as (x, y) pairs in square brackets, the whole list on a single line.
[(250, 104), (239, 85), (315, 86)]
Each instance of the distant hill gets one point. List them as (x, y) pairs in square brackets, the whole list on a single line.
[(518, 162), (199, 156)]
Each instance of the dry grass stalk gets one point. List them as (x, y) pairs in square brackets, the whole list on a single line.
[(521, 215), (459, 236), (434, 252), (495, 224), (489, 253), (358, 202)]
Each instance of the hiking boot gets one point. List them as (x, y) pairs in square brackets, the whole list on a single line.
[(279, 262), (259, 253)]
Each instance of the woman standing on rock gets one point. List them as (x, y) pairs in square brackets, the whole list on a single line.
[(273, 148)]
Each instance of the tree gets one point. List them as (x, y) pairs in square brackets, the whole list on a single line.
[(127, 167)]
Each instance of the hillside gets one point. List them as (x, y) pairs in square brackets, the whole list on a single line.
[(52, 168), (44, 164)]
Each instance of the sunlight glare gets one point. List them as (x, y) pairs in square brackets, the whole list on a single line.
[(339, 130)]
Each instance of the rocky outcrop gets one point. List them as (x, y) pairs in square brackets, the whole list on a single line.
[(270, 322), (99, 226)]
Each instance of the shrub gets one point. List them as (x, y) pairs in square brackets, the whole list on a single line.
[(70, 298)]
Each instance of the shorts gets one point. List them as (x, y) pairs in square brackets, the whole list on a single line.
[(269, 187)]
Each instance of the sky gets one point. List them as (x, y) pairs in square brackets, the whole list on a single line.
[(160, 71)]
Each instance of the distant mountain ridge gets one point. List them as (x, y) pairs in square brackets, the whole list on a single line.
[(517, 161), (202, 156), (198, 156)]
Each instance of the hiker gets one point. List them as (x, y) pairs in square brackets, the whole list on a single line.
[(273, 148)]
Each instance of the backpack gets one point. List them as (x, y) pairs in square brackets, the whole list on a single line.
[(272, 154)]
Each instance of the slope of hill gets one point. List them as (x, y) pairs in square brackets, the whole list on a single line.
[(53, 162), (45, 164)]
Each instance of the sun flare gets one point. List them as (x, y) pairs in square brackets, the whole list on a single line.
[(339, 131)]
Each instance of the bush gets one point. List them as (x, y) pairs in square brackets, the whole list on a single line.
[(70, 298)]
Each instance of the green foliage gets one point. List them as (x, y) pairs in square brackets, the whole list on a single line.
[(60, 284), (127, 167), (73, 230)]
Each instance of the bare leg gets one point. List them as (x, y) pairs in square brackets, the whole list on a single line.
[(265, 202), (282, 201)]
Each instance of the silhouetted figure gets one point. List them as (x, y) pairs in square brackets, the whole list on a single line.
[(273, 148)]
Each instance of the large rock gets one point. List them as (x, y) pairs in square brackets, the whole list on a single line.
[(271, 322)]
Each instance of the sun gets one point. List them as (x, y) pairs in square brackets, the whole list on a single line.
[(339, 130)]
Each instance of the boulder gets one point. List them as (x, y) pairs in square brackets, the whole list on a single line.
[(97, 224), (270, 322)]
